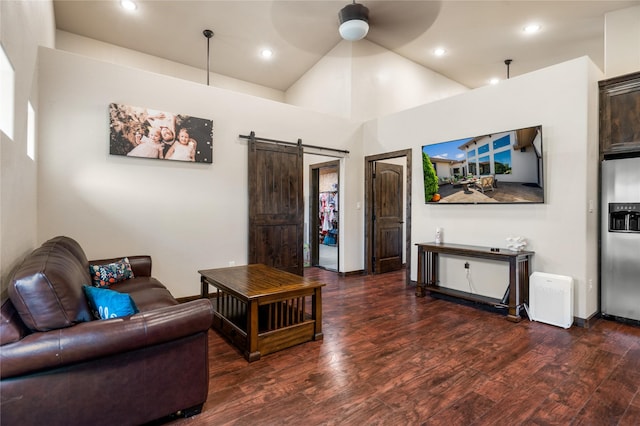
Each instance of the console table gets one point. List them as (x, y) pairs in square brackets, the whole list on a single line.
[(518, 273)]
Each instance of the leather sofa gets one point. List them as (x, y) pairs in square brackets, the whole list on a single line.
[(59, 365)]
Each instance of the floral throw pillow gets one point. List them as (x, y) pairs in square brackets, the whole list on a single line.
[(111, 273)]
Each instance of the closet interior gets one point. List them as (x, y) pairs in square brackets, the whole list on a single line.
[(328, 207)]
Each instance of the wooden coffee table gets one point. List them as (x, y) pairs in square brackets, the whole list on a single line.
[(262, 309)]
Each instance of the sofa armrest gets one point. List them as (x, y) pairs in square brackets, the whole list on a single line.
[(100, 338), (140, 265)]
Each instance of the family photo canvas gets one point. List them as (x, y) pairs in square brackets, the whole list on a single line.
[(148, 133)]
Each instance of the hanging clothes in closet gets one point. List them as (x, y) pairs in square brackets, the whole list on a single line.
[(329, 217)]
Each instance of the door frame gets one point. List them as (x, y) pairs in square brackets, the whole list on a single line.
[(314, 205), (369, 162)]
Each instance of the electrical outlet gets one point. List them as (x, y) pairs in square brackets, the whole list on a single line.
[(466, 265)]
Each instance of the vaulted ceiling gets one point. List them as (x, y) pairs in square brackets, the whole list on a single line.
[(477, 36)]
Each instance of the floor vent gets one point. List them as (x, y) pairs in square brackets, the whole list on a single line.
[(551, 299)]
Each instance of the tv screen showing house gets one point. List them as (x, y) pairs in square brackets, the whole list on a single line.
[(503, 167)]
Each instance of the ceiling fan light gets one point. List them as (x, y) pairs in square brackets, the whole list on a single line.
[(354, 30), (354, 22)]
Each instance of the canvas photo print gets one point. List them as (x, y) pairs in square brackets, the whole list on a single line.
[(148, 133)]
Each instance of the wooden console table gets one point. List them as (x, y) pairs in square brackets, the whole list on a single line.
[(261, 309), (518, 274)]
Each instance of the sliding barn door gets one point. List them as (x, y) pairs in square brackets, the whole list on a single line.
[(276, 215)]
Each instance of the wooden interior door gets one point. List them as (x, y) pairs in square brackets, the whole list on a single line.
[(388, 218), (276, 206)]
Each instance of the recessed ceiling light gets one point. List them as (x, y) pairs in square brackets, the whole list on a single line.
[(532, 28), (439, 51), (128, 4), (494, 81), (266, 53)]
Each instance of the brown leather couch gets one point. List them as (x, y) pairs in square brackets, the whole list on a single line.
[(60, 366)]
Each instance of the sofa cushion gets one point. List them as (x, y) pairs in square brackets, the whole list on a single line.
[(46, 289), (111, 273), (107, 303), (147, 293), (11, 327)]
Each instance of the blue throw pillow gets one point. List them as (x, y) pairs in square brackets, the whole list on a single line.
[(107, 303)]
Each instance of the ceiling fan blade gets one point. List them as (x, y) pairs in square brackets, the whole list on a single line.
[(312, 25), (308, 24), (393, 24)]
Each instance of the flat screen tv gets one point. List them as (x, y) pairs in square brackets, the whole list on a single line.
[(503, 167)]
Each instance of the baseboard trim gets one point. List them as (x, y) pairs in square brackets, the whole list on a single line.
[(352, 273), (586, 323), (187, 298)]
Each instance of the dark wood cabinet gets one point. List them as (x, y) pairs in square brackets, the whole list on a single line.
[(620, 115)]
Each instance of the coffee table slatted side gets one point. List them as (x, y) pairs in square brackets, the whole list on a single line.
[(262, 309)]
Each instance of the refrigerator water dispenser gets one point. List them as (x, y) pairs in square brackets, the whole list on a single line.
[(624, 217)]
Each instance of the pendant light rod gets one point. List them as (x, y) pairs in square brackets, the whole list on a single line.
[(208, 34), (507, 62)]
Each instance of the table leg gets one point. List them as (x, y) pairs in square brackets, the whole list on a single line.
[(421, 276), (204, 288), (432, 268), (316, 312), (514, 292), (252, 353)]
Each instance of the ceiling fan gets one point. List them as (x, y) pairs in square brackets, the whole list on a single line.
[(354, 21), (388, 23)]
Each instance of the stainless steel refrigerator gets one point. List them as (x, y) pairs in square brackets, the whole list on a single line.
[(620, 239)]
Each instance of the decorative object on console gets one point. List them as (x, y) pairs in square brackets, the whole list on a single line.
[(147, 133), (468, 170), (516, 243), (438, 235)]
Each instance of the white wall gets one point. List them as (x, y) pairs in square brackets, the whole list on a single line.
[(23, 26), (622, 42), (361, 80), (562, 232), (384, 83), (119, 55), (326, 87), (187, 216)]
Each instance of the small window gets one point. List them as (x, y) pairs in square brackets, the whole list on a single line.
[(471, 154), (502, 142), (483, 149), (502, 162), (485, 166), (7, 89)]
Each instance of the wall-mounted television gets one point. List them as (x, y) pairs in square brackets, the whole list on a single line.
[(503, 167)]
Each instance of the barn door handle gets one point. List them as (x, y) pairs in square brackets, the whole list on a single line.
[(401, 221)]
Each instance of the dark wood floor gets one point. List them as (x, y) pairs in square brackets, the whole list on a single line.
[(389, 358)]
